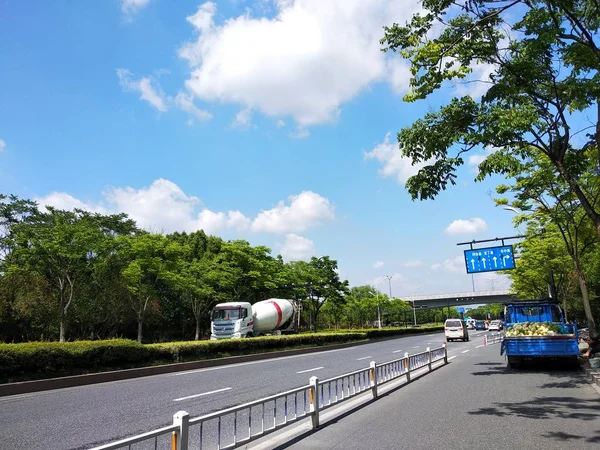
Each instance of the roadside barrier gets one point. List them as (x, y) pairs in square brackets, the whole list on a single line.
[(242, 424), (494, 338)]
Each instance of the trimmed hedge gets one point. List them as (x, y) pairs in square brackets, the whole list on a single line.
[(34, 360), (69, 357), (386, 332), (192, 350)]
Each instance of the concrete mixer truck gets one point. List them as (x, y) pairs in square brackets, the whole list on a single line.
[(241, 319)]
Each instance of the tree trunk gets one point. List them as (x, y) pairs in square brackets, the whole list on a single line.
[(586, 300), (140, 329), (197, 338), (63, 324), (585, 203)]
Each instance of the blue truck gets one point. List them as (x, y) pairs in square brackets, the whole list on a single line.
[(551, 338)]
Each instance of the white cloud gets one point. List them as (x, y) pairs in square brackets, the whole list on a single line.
[(243, 119), (378, 264), (466, 226), (297, 248), (452, 265), (300, 133), (132, 6), (144, 86), (303, 61), (64, 201), (478, 82), (186, 103), (474, 161), (414, 263), (163, 206), (280, 123), (2, 145), (394, 164), (400, 284), (213, 222), (399, 75), (305, 210)]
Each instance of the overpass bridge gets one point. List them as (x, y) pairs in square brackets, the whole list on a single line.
[(460, 299)]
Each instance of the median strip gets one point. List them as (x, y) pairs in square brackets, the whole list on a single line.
[(310, 370), (201, 395)]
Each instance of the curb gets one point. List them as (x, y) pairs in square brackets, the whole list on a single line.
[(593, 375)]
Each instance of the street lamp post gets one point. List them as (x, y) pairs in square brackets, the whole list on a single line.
[(378, 311), (389, 278), (414, 301)]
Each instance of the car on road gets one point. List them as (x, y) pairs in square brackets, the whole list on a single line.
[(480, 325), (456, 329), (495, 325)]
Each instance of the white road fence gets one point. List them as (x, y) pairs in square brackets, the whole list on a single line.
[(239, 425), (493, 338)]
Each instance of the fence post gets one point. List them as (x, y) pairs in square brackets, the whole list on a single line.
[(182, 420), (407, 359), (428, 350), (313, 398), (445, 353), (485, 339), (373, 378)]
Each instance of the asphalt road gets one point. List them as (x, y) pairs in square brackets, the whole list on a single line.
[(85, 416), (475, 402)]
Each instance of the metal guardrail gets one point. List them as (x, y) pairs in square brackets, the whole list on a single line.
[(258, 418), (493, 338)]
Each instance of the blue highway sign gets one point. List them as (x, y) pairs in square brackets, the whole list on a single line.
[(490, 259)]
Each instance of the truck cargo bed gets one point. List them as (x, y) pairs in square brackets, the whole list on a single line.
[(541, 346)]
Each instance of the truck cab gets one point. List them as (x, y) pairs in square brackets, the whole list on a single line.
[(231, 320)]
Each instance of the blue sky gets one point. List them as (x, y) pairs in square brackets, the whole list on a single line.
[(268, 120)]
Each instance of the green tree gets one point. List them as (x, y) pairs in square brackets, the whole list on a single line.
[(202, 283), (550, 204), (148, 260), (62, 247), (254, 269), (544, 57)]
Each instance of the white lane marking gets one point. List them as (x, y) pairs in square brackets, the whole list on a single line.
[(364, 357), (416, 346), (479, 346), (315, 368), (396, 351), (452, 357), (230, 366), (428, 343), (465, 351), (201, 395)]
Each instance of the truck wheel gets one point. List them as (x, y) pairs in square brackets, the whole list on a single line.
[(249, 335)]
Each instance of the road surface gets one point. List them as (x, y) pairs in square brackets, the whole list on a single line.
[(474, 402), (85, 416)]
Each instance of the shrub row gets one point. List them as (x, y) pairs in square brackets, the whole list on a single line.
[(47, 359), (67, 358)]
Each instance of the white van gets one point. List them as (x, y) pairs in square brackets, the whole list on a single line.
[(456, 329)]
